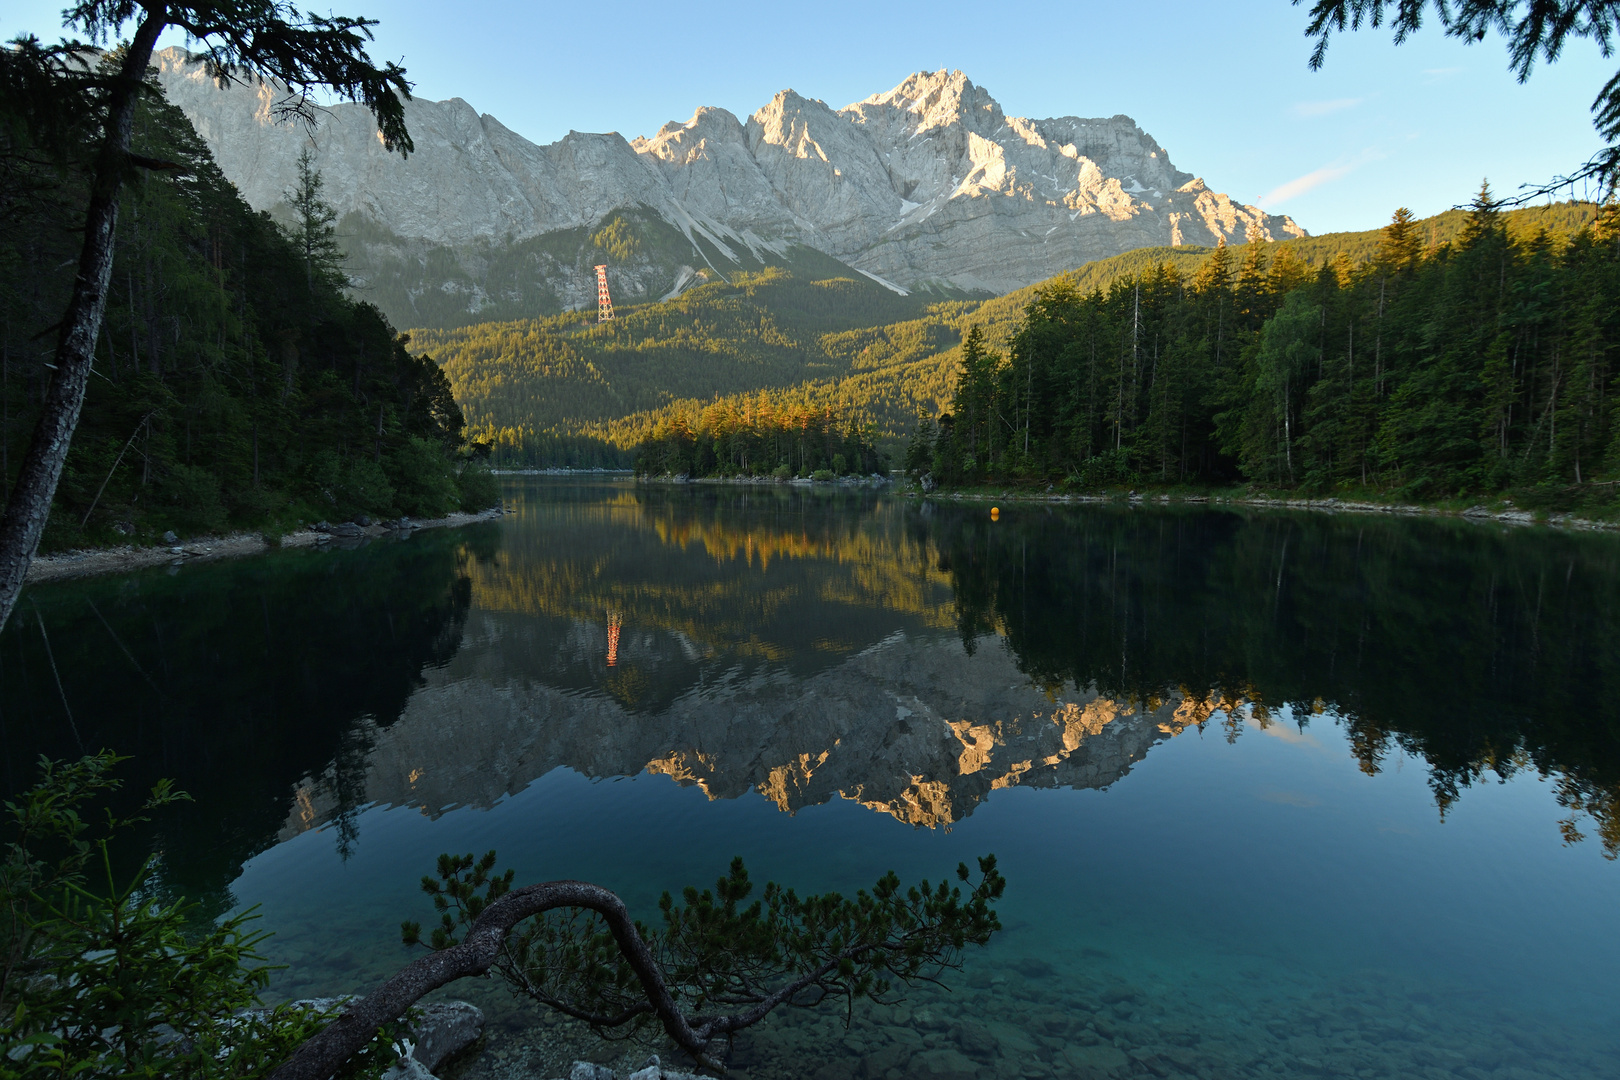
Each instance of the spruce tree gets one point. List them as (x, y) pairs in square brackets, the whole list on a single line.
[(1400, 246), (314, 226), (974, 402), (920, 449), (1484, 217)]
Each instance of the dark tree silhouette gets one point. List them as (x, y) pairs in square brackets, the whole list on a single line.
[(49, 94)]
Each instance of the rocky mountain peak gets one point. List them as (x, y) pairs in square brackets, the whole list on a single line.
[(928, 184), (936, 99), (677, 142)]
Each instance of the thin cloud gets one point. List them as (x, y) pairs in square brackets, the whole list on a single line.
[(1283, 727), (1434, 75), (1299, 185), (1323, 108)]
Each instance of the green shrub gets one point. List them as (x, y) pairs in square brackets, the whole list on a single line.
[(101, 978), (425, 483), (783, 471), (254, 504), (367, 487), (190, 495), (839, 465), (822, 474), (346, 488), (1111, 467), (480, 489)]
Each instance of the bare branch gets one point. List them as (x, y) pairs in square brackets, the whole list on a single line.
[(320, 1057)]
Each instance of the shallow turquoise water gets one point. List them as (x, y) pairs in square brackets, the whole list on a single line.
[(1276, 795)]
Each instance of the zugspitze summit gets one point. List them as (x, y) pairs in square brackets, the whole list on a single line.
[(929, 185)]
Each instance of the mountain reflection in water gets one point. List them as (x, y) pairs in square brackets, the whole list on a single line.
[(812, 646), (913, 729), (914, 658)]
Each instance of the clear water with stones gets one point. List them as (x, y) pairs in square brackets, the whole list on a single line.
[(1276, 794)]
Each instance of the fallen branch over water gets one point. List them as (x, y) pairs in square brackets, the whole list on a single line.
[(713, 969)]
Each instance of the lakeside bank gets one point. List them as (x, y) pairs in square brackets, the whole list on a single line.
[(86, 562), (1505, 514), (112, 560)]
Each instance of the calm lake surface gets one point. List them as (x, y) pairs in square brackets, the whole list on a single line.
[(1275, 794)]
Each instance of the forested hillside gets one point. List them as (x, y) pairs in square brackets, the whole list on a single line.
[(531, 385), (1431, 369), (564, 390), (418, 283), (234, 384), (760, 438)]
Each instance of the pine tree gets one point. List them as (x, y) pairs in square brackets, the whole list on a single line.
[(1484, 217), (973, 404), (1252, 288), (314, 228), (920, 449), (1400, 247)]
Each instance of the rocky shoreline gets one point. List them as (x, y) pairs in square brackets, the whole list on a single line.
[(561, 472), (116, 560), (92, 561), (876, 480), (448, 1035), (1507, 515)]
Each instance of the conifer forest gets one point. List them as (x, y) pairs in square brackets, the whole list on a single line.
[(234, 384), (1472, 368)]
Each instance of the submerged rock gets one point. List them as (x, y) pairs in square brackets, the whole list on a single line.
[(435, 1034), (445, 1029), (653, 1069)]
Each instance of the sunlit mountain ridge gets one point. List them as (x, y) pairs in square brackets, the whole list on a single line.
[(567, 390)]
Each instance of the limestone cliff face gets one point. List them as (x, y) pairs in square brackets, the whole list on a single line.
[(915, 729), (471, 177), (929, 183)]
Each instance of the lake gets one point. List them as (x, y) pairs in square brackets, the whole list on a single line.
[(1276, 794)]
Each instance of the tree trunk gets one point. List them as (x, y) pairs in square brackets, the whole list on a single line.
[(30, 503), (320, 1055)]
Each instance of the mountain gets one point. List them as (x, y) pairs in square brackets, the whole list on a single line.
[(930, 186), (917, 729), (567, 390)]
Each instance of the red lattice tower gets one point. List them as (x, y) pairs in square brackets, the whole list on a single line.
[(604, 302)]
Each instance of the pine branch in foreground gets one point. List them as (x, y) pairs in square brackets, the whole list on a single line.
[(713, 968)]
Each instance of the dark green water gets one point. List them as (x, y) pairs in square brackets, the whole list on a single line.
[(1277, 795)]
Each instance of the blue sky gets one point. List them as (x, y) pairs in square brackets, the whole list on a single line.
[(1223, 87)]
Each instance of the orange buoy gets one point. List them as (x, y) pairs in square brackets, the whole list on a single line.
[(995, 513)]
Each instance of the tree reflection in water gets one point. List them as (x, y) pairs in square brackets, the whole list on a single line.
[(235, 679), (1482, 649), (794, 644)]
